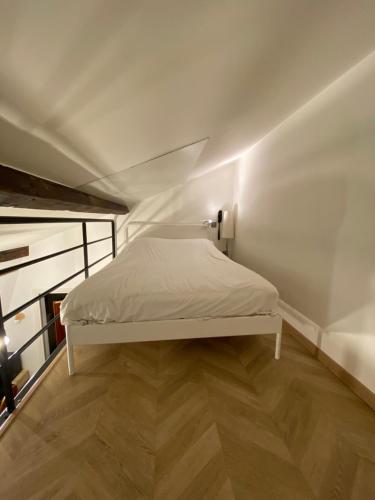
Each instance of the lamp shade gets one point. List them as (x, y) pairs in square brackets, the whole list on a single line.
[(227, 229)]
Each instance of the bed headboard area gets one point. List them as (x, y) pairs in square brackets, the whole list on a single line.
[(137, 228)]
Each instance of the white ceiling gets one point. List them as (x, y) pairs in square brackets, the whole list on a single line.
[(89, 88)]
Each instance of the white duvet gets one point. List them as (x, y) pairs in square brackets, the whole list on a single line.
[(159, 279)]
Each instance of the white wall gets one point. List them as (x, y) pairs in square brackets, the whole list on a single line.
[(306, 212), (192, 202)]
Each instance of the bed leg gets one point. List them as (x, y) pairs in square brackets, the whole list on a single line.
[(278, 345), (70, 353)]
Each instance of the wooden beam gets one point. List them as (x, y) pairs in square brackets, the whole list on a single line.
[(21, 190), (14, 253)]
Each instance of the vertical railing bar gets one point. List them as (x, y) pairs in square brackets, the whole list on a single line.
[(113, 228), (5, 375), (85, 252)]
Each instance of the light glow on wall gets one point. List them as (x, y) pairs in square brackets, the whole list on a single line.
[(340, 84)]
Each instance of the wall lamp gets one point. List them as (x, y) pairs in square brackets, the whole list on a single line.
[(209, 223), (225, 227)]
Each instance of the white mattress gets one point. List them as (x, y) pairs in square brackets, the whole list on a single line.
[(158, 279)]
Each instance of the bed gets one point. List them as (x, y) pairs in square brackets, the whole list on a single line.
[(163, 289)]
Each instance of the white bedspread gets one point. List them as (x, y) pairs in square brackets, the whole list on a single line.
[(158, 279)]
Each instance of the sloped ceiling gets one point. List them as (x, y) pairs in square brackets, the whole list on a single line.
[(90, 89)]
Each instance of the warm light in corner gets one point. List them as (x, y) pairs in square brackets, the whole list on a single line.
[(237, 156)]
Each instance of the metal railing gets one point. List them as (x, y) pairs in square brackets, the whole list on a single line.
[(13, 400)]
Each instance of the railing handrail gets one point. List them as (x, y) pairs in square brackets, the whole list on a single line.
[(32, 301), (16, 267), (34, 337)]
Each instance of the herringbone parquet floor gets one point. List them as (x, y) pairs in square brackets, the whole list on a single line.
[(190, 420)]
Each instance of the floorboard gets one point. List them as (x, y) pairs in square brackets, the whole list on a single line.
[(215, 419)]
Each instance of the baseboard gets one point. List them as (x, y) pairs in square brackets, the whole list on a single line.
[(307, 333)]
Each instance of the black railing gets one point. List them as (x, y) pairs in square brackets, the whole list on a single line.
[(11, 400)]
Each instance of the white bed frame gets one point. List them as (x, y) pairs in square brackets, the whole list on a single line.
[(143, 331)]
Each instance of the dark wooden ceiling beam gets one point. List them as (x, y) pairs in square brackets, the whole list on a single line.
[(21, 190), (14, 253)]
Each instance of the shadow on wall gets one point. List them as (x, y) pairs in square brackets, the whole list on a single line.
[(189, 203), (306, 202), (158, 209), (284, 228), (154, 208), (29, 120), (310, 243)]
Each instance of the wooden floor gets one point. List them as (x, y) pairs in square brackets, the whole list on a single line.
[(204, 419)]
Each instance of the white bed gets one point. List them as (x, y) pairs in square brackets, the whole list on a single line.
[(159, 289)]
